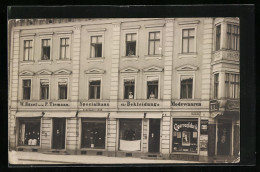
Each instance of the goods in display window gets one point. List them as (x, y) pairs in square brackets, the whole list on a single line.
[(185, 135)]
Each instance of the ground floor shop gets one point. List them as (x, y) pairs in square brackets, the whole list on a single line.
[(169, 135)]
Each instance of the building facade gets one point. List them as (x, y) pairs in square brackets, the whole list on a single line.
[(158, 87)]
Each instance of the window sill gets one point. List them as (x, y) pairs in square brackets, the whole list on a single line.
[(151, 57), (63, 61), (95, 59), (184, 55), (29, 62), (44, 61), (126, 58)]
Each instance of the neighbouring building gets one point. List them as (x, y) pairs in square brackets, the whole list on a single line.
[(143, 87)]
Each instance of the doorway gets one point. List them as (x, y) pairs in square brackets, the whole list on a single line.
[(154, 135), (59, 130), (224, 137)]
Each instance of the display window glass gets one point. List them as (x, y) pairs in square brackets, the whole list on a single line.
[(29, 132), (185, 135), (130, 134), (93, 133)]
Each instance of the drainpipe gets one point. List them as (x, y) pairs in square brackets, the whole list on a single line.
[(77, 121)]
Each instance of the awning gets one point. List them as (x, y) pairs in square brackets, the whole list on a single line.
[(154, 115), (93, 114), (60, 114), (128, 115), (28, 114)]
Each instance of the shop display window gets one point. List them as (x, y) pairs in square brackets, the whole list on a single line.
[(130, 134), (185, 135), (93, 133), (29, 132)]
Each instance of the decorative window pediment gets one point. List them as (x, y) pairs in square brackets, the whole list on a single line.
[(26, 73), (62, 72), (129, 70), (187, 68), (153, 69), (95, 71), (44, 72)]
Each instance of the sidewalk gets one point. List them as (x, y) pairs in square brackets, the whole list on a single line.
[(33, 157)]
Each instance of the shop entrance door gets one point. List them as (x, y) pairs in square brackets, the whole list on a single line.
[(224, 137), (154, 135), (58, 136)]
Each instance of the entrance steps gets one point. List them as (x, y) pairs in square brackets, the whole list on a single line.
[(152, 156)]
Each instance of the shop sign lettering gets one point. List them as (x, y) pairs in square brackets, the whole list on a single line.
[(139, 104), (43, 104), (93, 104), (94, 110), (188, 125), (185, 104)]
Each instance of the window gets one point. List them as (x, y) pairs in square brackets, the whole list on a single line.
[(27, 89), (29, 132), (44, 83), (216, 84), (130, 134), (46, 49), (93, 133), (94, 89), (63, 89), (64, 48), (218, 34), (129, 85), (188, 36), (232, 85), (154, 43), (185, 135), (152, 88), (186, 87), (96, 46), (28, 50), (131, 44), (233, 37)]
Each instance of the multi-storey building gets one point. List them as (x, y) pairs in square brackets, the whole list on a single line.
[(141, 87)]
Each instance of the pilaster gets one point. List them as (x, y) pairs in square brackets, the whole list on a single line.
[(166, 128)]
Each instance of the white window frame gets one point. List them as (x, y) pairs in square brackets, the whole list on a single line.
[(21, 87), (96, 32), (61, 36), (94, 78), (27, 37), (39, 91), (154, 28), (42, 37), (68, 87), (129, 30), (123, 78), (188, 25), (179, 83), (147, 75)]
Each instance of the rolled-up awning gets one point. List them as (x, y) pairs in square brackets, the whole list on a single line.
[(28, 114), (128, 115), (60, 114), (93, 114), (154, 115)]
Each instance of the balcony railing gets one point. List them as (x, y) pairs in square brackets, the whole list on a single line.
[(230, 55)]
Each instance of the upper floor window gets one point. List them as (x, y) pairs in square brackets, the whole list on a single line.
[(44, 84), (26, 89), (216, 85), (218, 34), (188, 38), (46, 48), (233, 37), (94, 89), (96, 46), (64, 48), (63, 89), (152, 88), (28, 50), (129, 85), (232, 85), (186, 87), (154, 43), (131, 44)]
